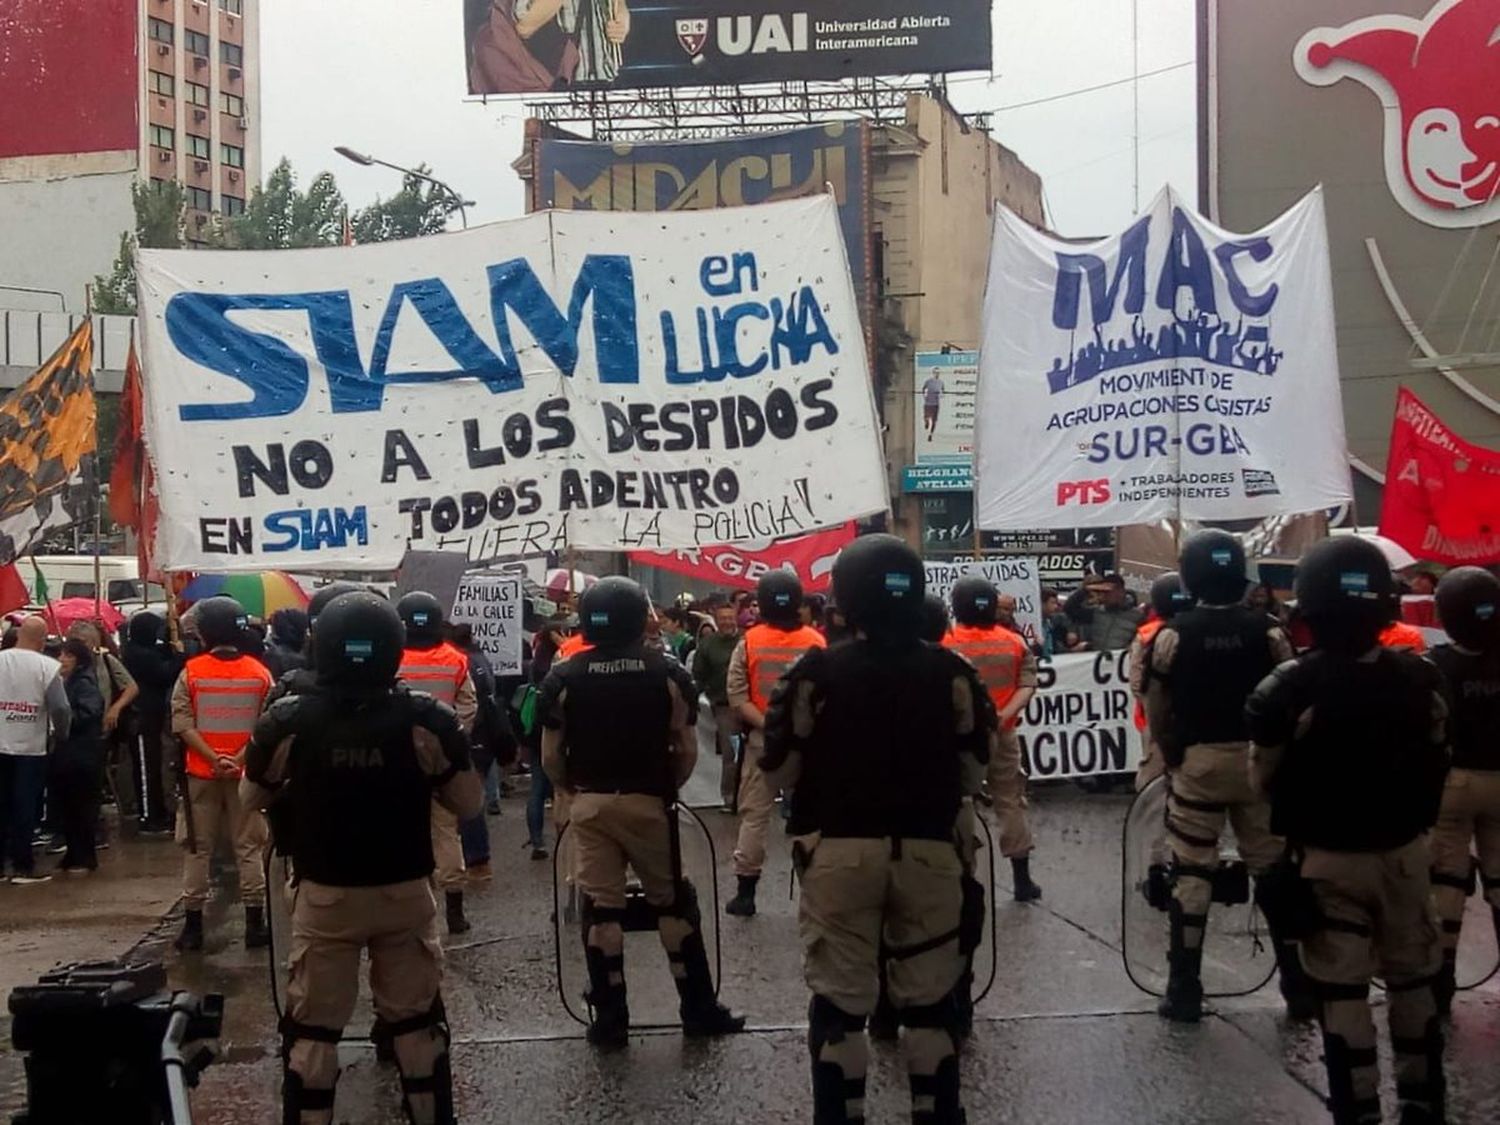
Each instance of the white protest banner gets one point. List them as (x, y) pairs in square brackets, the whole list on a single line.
[(1175, 371), (1014, 576), (1080, 722), (572, 379), (490, 604)]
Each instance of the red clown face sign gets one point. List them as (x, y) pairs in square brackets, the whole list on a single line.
[(1438, 81)]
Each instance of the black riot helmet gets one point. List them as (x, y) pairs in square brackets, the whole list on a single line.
[(358, 642), (1168, 597), (319, 601), (878, 583), (1212, 567), (1346, 594), (422, 614), (779, 595), (934, 619), (613, 612), (975, 601), (221, 622), (1468, 601)]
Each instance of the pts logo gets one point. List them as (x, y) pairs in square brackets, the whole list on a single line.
[(746, 35), (1083, 492)]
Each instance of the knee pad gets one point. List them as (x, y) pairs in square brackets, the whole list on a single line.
[(685, 904), (292, 1031), (296, 1097), (828, 1023), (591, 914), (1231, 883), (942, 1016)]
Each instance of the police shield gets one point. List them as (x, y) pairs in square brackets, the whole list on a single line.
[(649, 974), (1238, 956)]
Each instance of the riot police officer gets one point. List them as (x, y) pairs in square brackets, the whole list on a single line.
[(1167, 598), (1008, 669), (303, 679), (429, 663), (1349, 741), (1468, 601), (353, 768), (1205, 662), (765, 652), (876, 842), (618, 736), (215, 704)]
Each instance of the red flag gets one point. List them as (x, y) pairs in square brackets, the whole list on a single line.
[(1442, 494), (125, 476), (13, 592), (810, 557)]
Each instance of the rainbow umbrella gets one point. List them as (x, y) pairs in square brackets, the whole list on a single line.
[(261, 594)]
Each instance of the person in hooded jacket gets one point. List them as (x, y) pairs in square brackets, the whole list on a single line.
[(154, 666), (284, 649)]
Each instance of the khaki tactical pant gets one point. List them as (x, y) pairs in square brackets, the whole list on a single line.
[(613, 831), (1008, 792), (1470, 812), (726, 725), (756, 804), (1152, 764), (1378, 922), (862, 894), (331, 928), (447, 849), (216, 810), (1211, 786)]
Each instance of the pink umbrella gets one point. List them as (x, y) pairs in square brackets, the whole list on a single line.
[(562, 582), (63, 613)]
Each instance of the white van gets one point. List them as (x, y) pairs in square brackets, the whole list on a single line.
[(72, 576)]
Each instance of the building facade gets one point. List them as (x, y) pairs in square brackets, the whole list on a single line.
[(136, 90)]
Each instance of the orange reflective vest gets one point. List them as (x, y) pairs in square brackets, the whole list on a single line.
[(440, 671), (572, 646), (227, 693), (1145, 634), (1398, 634), (769, 652), (997, 655)]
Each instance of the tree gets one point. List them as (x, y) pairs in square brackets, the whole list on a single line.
[(160, 211), (279, 217), (419, 208)]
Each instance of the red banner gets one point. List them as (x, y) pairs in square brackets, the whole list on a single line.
[(1442, 494), (810, 557)]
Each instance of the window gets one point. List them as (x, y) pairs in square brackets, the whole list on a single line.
[(233, 7), (159, 185), (160, 30), (198, 146), (78, 589), (231, 53), (123, 590), (196, 42), (232, 104), (163, 83), (194, 93), (233, 156), (162, 137), (232, 205), (200, 199)]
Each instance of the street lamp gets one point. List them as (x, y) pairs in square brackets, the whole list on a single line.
[(365, 159)]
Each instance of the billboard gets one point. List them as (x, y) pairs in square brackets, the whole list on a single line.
[(699, 175), (1391, 106), (537, 46), (70, 77), (945, 388)]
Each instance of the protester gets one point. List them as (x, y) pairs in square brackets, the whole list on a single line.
[(675, 631), (120, 718), (32, 697), (1103, 614), (1058, 636), (78, 760), (288, 638), (711, 670), (154, 667)]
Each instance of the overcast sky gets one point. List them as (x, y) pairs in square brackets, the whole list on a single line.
[(387, 77)]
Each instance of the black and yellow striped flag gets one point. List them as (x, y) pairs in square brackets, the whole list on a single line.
[(47, 442)]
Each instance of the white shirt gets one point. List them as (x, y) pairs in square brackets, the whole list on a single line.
[(31, 692)]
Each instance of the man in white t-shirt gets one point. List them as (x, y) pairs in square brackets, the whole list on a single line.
[(32, 700)]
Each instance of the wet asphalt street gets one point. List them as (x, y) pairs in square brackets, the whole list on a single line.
[(1063, 1036)]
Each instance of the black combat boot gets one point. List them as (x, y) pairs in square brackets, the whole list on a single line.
[(457, 923), (257, 936), (610, 1026), (1026, 890), (1183, 1002), (742, 905), (191, 938), (702, 1014)]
